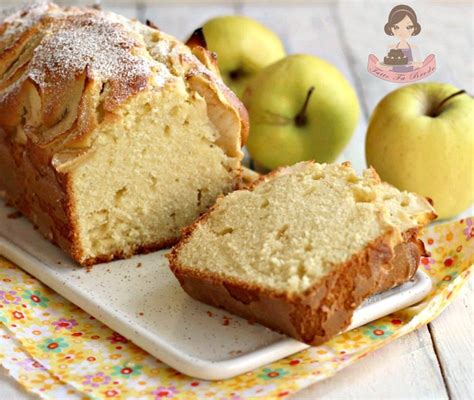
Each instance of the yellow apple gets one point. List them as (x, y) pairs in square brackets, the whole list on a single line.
[(300, 108), (421, 138), (243, 46)]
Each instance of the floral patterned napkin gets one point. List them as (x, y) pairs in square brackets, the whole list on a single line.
[(56, 350)]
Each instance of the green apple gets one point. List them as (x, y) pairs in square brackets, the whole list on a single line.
[(243, 46), (301, 108), (421, 138)]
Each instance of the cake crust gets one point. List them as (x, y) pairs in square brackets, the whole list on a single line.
[(325, 309)]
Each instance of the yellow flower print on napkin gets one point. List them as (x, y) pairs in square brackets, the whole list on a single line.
[(60, 351)]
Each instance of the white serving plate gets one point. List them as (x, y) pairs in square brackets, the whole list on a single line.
[(147, 305)]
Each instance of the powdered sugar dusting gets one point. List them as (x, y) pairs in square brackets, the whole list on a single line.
[(162, 76), (161, 49), (25, 13), (18, 19), (110, 49), (75, 40), (92, 41)]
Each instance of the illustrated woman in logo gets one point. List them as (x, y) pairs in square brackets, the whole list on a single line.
[(403, 24)]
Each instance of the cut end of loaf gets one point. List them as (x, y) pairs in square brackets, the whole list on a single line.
[(141, 184)]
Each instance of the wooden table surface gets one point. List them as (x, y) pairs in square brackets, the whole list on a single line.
[(436, 361)]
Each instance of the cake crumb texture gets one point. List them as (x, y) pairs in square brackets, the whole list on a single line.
[(294, 228)]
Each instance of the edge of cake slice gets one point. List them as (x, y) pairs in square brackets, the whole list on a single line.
[(300, 249)]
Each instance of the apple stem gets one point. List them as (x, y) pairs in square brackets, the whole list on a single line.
[(300, 118), (438, 108), (236, 74)]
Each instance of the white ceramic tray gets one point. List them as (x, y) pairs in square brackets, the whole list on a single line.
[(141, 299)]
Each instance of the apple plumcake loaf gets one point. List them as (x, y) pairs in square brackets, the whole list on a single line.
[(113, 135), (301, 249)]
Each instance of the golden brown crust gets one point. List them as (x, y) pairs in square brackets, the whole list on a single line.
[(243, 113), (197, 38), (323, 310), (142, 249), (30, 187), (198, 46)]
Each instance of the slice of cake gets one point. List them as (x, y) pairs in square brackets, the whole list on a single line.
[(301, 249), (113, 135)]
